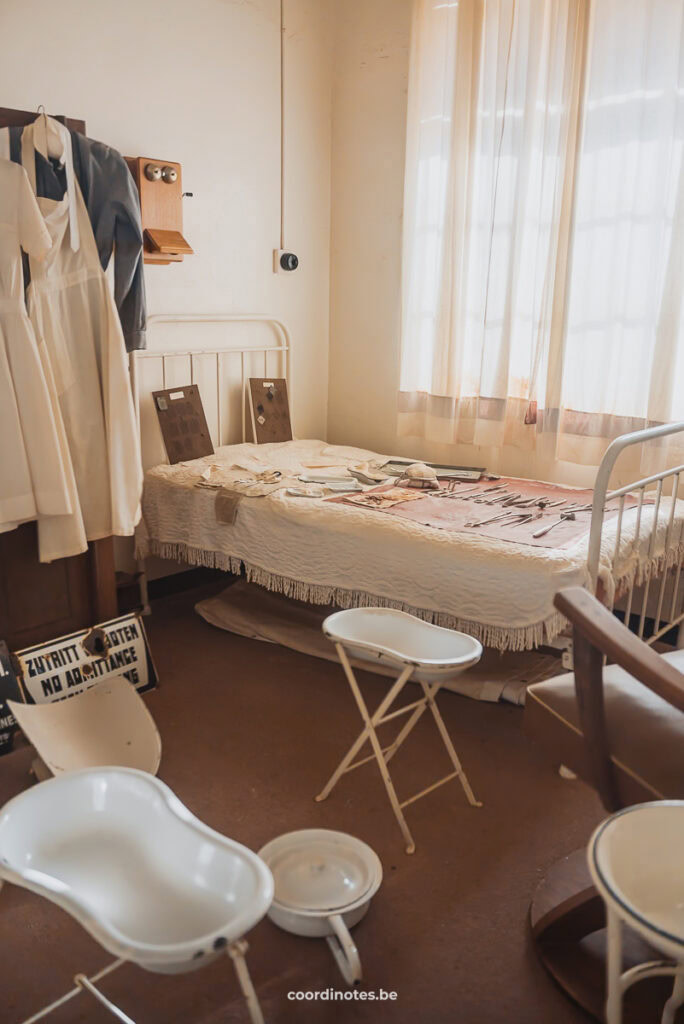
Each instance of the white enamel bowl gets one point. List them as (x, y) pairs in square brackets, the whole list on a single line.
[(324, 883)]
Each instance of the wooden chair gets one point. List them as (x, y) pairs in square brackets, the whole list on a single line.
[(620, 728)]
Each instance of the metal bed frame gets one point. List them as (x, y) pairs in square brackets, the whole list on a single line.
[(666, 617), (283, 352)]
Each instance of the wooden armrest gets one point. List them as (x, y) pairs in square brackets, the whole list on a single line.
[(596, 632), (603, 630)]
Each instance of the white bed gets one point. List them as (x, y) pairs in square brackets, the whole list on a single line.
[(498, 591), (318, 551)]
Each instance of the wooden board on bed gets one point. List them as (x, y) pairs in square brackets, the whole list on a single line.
[(183, 423), (270, 409)]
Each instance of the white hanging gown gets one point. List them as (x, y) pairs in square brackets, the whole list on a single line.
[(33, 475), (75, 320)]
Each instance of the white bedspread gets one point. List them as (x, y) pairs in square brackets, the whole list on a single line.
[(500, 592)]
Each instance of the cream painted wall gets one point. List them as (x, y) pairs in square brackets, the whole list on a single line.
[(199, 83), (370, 79)]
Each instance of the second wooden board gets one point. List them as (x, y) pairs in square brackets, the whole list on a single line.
[(270, 409)]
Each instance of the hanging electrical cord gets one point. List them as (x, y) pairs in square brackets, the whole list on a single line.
[(283, 261), (282, 124)]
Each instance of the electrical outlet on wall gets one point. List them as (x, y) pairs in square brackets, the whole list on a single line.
[(284, 261)]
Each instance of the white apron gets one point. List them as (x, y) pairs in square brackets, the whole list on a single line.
[(75, 320), (33, 478)]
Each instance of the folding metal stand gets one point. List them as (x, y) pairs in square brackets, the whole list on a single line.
[(384, 755), (236, 951)]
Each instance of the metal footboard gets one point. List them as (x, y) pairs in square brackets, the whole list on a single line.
[(667, 611)]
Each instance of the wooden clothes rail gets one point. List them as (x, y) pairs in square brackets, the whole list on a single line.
[(11, 118)]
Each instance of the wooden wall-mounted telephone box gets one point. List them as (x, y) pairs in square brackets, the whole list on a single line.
[(161, 206)]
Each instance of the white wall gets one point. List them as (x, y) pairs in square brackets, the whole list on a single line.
[(370, 82), (199, 83)]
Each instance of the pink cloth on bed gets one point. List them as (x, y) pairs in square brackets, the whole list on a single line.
[(453, 513)]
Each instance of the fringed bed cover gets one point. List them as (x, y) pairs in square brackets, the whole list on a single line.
[(497, 591)]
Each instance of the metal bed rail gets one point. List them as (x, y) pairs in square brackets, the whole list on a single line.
[(666, 615)]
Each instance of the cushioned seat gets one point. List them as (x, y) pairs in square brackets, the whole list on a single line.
[(645, 732)]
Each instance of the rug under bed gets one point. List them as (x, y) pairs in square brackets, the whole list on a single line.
[(252, 611)]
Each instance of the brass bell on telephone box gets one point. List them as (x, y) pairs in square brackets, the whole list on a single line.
[(161, 207)]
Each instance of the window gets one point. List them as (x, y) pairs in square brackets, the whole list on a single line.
[(544, 222)]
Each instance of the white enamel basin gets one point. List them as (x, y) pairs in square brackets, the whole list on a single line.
[(636, 858), (392, 636), (118, 850), (324, 882)]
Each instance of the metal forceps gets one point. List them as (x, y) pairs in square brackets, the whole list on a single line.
[(504, 497), (514, 519), (543, 502), (564, 517), (472, 492), (565, 514)]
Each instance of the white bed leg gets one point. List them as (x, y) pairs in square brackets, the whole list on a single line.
[(237, 954)]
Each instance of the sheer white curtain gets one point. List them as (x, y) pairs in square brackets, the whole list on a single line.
[(544, 223)]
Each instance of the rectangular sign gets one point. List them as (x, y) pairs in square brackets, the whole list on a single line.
[(71, 664), (9, 690)]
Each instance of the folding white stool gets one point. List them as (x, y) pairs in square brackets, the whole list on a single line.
[(431, 655)]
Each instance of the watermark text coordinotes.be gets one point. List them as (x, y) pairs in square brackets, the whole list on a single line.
[(342, 995)]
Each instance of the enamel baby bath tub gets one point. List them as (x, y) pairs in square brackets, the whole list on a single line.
[(397, 638), (117, 850)]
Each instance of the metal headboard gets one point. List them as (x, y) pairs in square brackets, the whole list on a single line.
[(283, 347)]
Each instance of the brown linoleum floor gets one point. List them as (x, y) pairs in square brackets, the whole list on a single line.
[(250, 733)]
